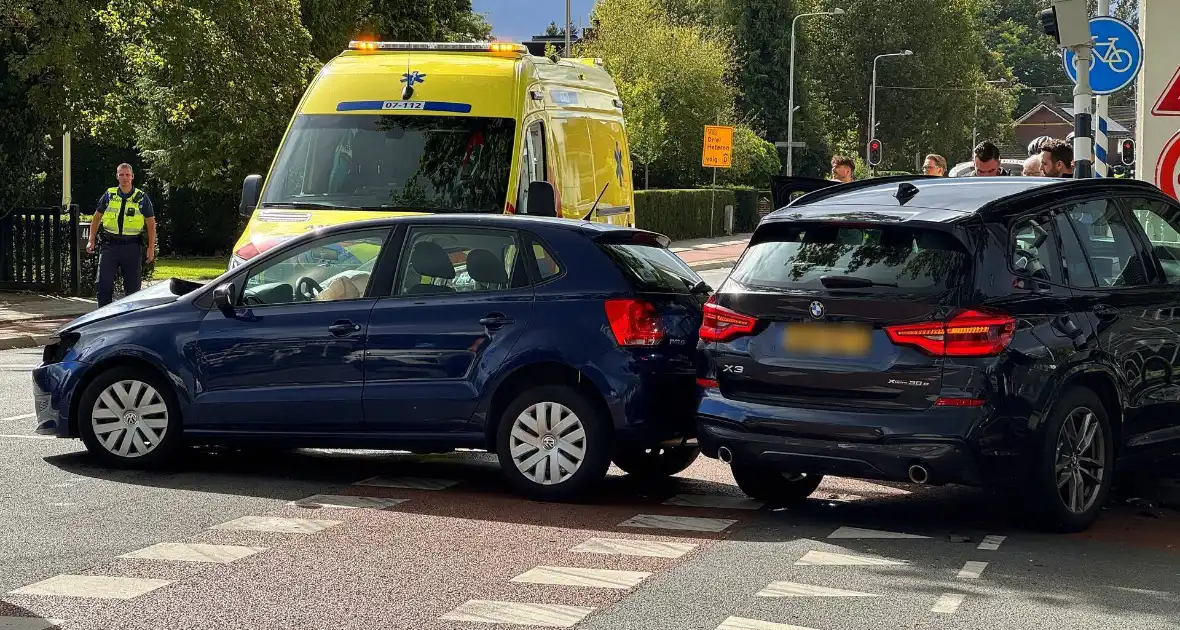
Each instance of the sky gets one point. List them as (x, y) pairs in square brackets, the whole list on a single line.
[(519, 20)]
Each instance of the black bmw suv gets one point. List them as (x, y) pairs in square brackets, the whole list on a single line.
[(1011, 331)]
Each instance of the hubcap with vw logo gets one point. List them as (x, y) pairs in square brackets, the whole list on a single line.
[(129, 419)]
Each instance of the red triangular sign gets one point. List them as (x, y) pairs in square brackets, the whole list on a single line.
[(1169, 102)]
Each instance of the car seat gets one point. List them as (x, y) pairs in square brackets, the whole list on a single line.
[(429, 260), (487, 270)]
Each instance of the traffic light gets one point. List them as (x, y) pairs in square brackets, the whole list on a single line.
[(874, 152), (1067, 22), (1127, 151)]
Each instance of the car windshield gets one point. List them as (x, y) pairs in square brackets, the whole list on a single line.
[(428, 163)]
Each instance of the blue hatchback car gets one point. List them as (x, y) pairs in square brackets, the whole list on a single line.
[(558, 345)]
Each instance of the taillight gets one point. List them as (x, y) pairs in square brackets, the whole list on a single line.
[(722, 324), (634, 322), (967, 334), (707, 383)]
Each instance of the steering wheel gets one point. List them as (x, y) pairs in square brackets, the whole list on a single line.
[(308, 289)]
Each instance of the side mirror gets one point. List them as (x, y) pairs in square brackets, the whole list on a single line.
[(223, 298), (542, 200), (251, 191)]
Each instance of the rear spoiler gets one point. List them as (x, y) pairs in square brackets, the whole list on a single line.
[(630, 236), (784, 190)]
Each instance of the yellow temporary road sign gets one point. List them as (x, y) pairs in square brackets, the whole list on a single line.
[(718, 152)]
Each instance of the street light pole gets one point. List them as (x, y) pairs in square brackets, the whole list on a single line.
[(873, 99), (567, 28), (791, 99)]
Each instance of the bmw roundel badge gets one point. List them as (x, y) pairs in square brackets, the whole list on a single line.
[(816, 309)]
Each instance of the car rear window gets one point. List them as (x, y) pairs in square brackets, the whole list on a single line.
[(652, 268), (888, 258)]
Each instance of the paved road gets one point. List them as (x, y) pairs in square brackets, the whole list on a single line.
[(440, 541)]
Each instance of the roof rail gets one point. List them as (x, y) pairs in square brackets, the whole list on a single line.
[(485, 47), (832, 191)]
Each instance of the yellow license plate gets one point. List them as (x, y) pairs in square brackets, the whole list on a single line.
[(828, 339)]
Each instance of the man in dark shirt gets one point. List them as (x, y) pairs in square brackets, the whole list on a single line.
[(987, 160), (124, 215), (1057, 159)]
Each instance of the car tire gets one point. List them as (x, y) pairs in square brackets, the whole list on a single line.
[(129, 417), (655, 462), (1047, 500), (554, 429), (766, 484)]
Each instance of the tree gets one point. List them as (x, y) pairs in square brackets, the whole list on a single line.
[(683, 66), (553, 30), (333, 23), (755, 160), (647, 128)]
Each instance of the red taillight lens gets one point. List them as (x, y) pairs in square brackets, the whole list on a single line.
[(967, 334), (958, 402), (634, 322), (722, 324), (708, 383)]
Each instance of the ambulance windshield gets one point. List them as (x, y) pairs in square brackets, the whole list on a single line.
[(394, 162)]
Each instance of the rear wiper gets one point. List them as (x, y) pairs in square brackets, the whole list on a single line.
[(306, 205), (852, 282)]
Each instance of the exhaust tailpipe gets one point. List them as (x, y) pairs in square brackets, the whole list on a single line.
[(725, 455), (919, 474)]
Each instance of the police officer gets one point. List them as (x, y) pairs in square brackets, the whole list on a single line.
[(124, 214)]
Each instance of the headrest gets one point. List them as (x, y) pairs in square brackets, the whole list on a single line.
[(429, 259), (484, 266)]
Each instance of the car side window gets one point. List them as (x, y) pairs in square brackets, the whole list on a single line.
[(547, 263), (533, 166), (330, 269), (1034, 249), (1108, 244), (1161, 224), (1077, 268), (444, 261)]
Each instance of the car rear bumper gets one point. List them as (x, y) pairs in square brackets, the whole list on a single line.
[(945, 460)]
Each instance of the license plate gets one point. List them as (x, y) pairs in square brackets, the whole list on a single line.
[(828, 339)]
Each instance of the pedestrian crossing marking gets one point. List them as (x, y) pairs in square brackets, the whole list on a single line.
[(648, 548), (857, 532), (577, 576), (186, 552), (742, 623), (972, 570), (277, 524), (991, 543), (948, 604), (346, 502), (518, 613), (827, 558), (795, 589), (408, 483), (92, 586), (686, 523), (714, 501), (28, 623)]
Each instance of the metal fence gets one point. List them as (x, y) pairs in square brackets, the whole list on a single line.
[(40, 250)]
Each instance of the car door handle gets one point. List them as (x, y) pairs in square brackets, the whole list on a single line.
[(496, 320), (340, 329)]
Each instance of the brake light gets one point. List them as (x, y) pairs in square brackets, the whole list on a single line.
[(708, 383), (722, 324), (943, 401), (634, 322), (968, 334)]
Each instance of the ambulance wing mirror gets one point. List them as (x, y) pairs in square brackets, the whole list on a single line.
[(542, 200), (251, 190)]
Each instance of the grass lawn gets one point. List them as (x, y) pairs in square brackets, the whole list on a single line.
[(196, 269)]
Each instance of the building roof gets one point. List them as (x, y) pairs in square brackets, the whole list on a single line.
[(1122, 117)]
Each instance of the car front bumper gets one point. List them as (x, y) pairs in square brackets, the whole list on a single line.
[(53, 385)]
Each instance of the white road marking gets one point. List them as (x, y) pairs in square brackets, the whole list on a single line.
[(28, 623), (856, 532), (27, 437), (948, 603), (411, 483), (972, 570), (685, 523), (577, 576), (649, 548), (714, 501), (827, 558), (345, 502), (795, 589), (519, 613), (95, 586), (20, 417), (185, 552), (991, 543), (277, 524), (742, 623)]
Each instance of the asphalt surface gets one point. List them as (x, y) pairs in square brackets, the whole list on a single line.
[(430, 559)]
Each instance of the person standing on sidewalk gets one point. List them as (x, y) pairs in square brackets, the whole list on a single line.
[(124, 214)]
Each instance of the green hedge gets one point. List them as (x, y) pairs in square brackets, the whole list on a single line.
[(684, 214)]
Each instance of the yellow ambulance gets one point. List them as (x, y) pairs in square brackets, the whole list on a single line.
[(390, 128)]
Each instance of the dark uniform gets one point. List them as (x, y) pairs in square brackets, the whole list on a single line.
[(120, 239)]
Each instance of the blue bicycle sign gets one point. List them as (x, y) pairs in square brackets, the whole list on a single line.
[(1116, 58)]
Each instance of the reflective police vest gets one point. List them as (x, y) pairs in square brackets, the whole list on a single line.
[(123, 217)]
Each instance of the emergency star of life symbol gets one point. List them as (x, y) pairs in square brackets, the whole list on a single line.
[(410, 78)]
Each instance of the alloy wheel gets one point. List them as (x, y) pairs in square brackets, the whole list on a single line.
[(129, 418), (1080, 461), (548, 443)]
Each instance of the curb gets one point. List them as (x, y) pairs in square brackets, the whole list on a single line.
[(707, 265), (20, 342)]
